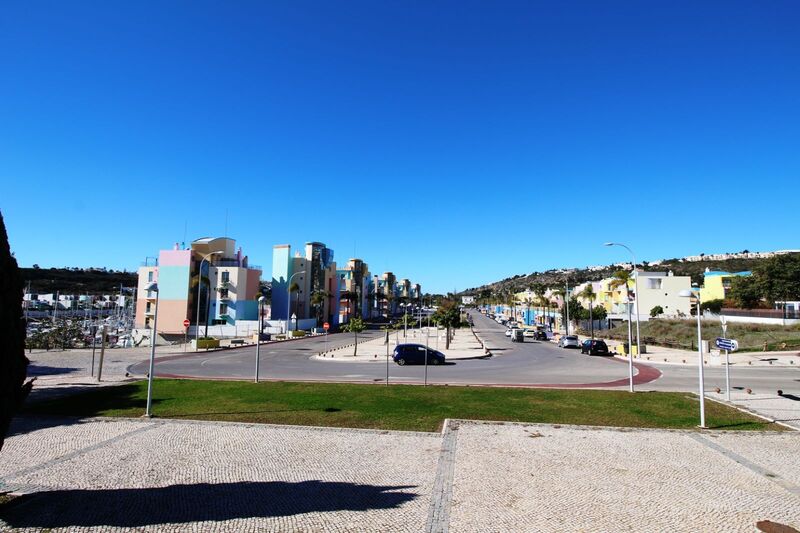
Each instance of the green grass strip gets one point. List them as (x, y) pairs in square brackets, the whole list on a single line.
[(398, 407)]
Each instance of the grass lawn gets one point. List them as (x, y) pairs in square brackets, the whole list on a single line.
[(398, 407)]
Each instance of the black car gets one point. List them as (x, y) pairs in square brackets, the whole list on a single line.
[(414, 354), (594, 347)]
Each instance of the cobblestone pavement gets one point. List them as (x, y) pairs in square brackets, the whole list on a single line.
[(109, 475), (514, 477), (160, 475)]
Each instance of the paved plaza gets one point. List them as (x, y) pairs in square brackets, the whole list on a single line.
[(162, 475)]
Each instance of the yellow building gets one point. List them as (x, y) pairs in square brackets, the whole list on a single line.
[(716, 284)]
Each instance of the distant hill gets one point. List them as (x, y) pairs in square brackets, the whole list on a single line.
[(555, 278), (76, 280)]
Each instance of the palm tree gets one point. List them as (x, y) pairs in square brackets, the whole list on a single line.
[(622, 277), (317, 299), (294, 288), (589, 294)]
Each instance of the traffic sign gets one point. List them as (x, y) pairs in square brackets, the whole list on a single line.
[(326, 326), (186, 323), (726, 344)]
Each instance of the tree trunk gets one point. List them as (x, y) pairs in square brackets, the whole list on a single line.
[(447, 339), (355, 347)]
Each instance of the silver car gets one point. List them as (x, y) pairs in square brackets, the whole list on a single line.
[(569, 341)]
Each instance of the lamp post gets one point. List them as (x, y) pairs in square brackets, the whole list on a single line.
[(687, 293), (152, 287), (566, 300), (260, 329), (199, 284), (405, 320), (289, 298), (636, 295)]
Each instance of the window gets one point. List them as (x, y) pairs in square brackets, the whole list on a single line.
[(223, 293), (147, 309), (223, 309), (226, 276), (654, 283), (150, 276)]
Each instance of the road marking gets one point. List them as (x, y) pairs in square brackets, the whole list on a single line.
[(439, 511), (76, 453), (790, 487)]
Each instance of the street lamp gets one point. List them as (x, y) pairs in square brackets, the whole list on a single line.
[(636, 296), (154, 288), (260, 329), (199, 284), (289, 298), (687, 293)]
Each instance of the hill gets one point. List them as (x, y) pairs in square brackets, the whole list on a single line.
[(555, 277), (76, 280)]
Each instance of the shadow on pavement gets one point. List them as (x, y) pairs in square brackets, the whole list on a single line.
[(192, 503), (41, 370)]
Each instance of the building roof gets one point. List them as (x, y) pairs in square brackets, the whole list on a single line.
[(722, 273)]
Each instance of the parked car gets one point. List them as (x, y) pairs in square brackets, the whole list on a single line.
[(414, 354), (569, 341), (529, 333), (594, 347), (541, 335), (508, 332)]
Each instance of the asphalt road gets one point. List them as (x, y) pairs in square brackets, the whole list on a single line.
[(529, 364)]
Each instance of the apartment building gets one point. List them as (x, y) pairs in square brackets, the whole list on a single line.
[(717, 284), (655, 289), (356, 291), (228, 286), (306, 285)]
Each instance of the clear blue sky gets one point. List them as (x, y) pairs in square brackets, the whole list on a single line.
[(454, 143)]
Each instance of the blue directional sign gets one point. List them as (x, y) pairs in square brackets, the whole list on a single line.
[(726, 344)]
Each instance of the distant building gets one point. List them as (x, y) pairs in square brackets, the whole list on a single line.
[(655, 289), (717, 284), (356, 294), (467, 300), (312, 276), (229, 286)]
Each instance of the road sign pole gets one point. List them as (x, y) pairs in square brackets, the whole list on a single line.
[(727, 361)]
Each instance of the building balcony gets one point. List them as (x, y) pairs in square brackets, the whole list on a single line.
[(150, 312)]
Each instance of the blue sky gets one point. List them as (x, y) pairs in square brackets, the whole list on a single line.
[(454, 143)]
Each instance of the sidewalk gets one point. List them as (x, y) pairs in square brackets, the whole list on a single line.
[(166, 475), (661, 354), (465, 345)]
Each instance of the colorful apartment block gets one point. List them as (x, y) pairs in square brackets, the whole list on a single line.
[(312, 276), (655, 289), (716, 284), (355, 290), (229, 286)]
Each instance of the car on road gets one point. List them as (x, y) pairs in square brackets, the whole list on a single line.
[(529, 333), (594, 347), (414, 354), (569, 341), (508, 332)]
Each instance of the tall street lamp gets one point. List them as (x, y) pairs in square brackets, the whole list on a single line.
[(199, 284), (636, 295), (260, 329), (289, 298), (154, 288), (687, 293)]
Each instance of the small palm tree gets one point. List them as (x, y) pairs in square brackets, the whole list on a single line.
[(317, 300), (622, 278), (355, 326)]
